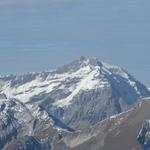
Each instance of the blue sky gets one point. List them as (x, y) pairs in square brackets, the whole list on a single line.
[(40, 35)]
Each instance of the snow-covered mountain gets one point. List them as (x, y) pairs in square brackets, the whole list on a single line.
[(24, 129), (79, 94)]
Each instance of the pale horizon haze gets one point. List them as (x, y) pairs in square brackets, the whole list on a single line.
[(40, 35)]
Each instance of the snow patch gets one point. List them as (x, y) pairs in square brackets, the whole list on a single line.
[(90, 81)]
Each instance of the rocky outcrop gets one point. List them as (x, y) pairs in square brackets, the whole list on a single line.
[(24, 129), (144, 135)]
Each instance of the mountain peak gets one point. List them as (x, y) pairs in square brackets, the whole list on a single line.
[(83, 58), (70, 92), (90, 61), (79, 63)]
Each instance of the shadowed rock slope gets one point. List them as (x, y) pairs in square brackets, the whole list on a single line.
[(119, 132), (24, 129)]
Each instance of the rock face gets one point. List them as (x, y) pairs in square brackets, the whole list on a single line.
[(13, 114), (25, 143), (24, 129), (79, 94), (118, 132), (144, 135)]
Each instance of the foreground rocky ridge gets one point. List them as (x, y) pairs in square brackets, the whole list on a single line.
[(126, 131)]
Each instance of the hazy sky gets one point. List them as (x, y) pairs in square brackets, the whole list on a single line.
[(37, 35)]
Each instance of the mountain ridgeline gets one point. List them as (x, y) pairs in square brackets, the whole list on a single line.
[(80, 94), (41, 110)]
